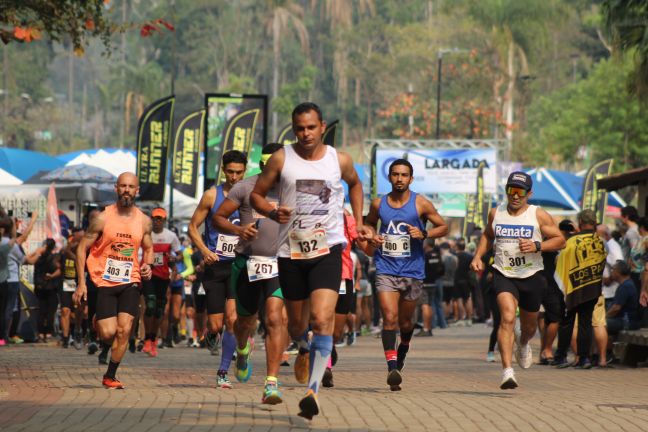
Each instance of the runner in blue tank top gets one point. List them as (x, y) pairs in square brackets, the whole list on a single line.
[(400, 261), (218, 252)]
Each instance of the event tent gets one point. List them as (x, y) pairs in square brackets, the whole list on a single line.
[(115, 161), (562, 190), (7, 179), (25, 163)]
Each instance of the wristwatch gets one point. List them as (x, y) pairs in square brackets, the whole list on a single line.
[(273, 214), (538, 246)]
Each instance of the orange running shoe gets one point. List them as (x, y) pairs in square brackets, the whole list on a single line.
[(153, 352), (112, 383), (147, 346)]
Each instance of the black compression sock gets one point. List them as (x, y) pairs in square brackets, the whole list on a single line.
[(112, 369)]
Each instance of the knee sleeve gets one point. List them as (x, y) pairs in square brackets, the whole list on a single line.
[(150, 305), (159, 307)]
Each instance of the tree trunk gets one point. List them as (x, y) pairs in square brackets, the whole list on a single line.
[(70, 93), (509, 92), (122, 96), (275, 69)]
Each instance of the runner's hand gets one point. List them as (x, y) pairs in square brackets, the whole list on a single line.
[(210, 258), (249, 232), (643, 298), (146, 272), (365, 232), (477, 265), (284, 214), (527, 246), (377, 241), (415, 233), (80, 294)]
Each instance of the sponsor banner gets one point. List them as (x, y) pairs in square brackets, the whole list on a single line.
[(440, 171), (186, 153), (373, 181), (593, 197), (477, 206), (53, 223), (153, 141), (234, 122), (286, 135), (329, 133)]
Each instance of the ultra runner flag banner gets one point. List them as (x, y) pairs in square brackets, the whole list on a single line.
[(234, 122), (329, 133), (153, 141), (594, 198), (373, 181), (286, 136), (475, 204), (186, 153)]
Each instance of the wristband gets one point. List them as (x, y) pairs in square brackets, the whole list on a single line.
[(538, 246), (273, 215)]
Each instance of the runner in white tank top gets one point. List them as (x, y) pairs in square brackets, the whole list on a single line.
[(517, 230), (311, 236)]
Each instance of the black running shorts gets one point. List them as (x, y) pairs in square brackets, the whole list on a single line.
[(553, 301), (345, 301), (248, 294), (117, 299), (156, 287), (298, 278), (216, 281), (528, 291)]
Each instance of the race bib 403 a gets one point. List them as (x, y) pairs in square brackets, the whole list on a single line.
[(118, 271)]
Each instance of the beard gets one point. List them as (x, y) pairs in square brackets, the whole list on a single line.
[(126, 200)]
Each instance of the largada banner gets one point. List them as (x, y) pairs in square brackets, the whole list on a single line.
[(234, 122), (440, 170), (153, 141), (593, 197), (186, 153)]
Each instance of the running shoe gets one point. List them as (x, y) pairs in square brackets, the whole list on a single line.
[(340, 343), (77, 342), (364, 331), (112, 383), (4, 342), (92, 348), (148, 344), (271, 393), (223, 382), (327, 379), (195, 344), (424, 333), (490, 357), (394, 379), (140, 345), (243, 364), (103, 357), (508, 379), (66, 342), (132, 346), (16, 340), (351, 338), (309, 407), (154, 350), (302, 364), (583, 364), (524, 356), (213, 343)]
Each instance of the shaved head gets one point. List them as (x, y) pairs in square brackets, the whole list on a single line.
[(128, 177), (127, 187)]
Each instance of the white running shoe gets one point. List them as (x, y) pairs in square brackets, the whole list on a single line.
[(524, 356), (508, 379)]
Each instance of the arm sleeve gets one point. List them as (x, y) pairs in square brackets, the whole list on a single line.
[(189, 268)]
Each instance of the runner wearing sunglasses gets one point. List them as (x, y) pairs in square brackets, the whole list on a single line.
[(516, 231)]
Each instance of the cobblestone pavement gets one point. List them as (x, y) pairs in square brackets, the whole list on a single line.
[(447, 386)]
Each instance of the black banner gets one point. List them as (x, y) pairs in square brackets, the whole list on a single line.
[(477, 206), (329, 133), (374, 173), (593, 197), (286, 135), (186, 153), (153, 140), (239, 134)]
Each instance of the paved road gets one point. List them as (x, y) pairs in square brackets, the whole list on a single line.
[(447, 386)]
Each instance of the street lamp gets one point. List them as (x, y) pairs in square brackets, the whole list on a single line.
[(440, 54)]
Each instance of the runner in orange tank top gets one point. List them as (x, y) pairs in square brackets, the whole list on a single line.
[(113, 239)]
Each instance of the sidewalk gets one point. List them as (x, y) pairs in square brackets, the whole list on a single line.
[(447, 387)]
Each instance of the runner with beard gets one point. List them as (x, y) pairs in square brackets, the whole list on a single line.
[(113, 240)]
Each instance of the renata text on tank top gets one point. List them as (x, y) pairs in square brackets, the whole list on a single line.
[(223, 245), (113, 257), (509, 260), (400, 255), (313, 189)]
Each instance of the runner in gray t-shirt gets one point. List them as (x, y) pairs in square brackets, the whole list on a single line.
[(254, 274)]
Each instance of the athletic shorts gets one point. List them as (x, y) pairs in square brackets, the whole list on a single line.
[(365, 288), (177, 289), (553, 301), (345, 301), (156, 287), (409, 288), (248, 294), (427, 295), (65, 295), (217, 284), (189, 300), (298, 278), (528, 291), (117, 299), (447, 293), (461, 290), (199, 300)]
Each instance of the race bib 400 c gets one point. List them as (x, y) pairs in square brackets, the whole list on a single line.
[(396, 245)]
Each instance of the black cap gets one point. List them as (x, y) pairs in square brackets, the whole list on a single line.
[(520, 179)]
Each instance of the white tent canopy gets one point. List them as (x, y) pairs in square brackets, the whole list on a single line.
[(7, 179)]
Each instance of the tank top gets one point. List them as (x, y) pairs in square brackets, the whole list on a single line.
[(508, 230), (222, 244), (164, 243), (113, 257), (400, 254), (314, 191), (69, 268)]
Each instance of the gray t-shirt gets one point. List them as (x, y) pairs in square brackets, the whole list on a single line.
[(16, 258), (5, 248), (630, 239), (267, 241)]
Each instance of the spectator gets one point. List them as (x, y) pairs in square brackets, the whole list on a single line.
[(464, 282), (624, 310), (7, 225), (364, 304), (47, 272), (614, 254), (629, 218), (431, 308), (449, 270), (579, 274), (639, 251)]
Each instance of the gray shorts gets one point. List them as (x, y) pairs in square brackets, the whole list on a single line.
[(410, 288), (427, 295), (365, 288)]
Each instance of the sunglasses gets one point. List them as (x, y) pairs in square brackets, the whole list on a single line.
[(512, 190)]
